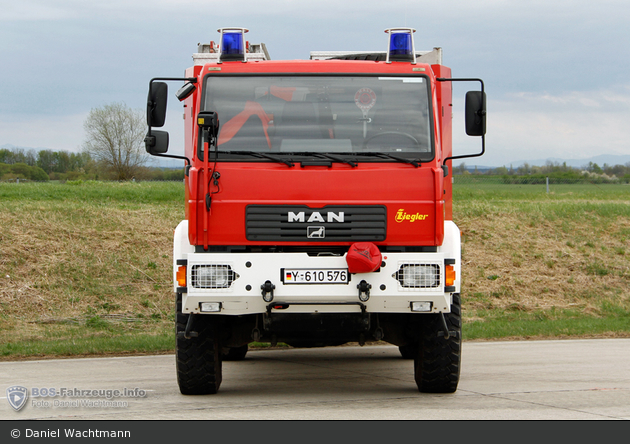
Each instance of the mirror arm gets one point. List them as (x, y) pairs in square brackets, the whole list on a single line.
[(150, 138), (466, 156), (173, 157), (483, 107)]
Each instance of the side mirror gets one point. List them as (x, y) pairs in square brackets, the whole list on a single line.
[(156, 104), (185, 91), (209, 120), (156, 142), (475, 113)]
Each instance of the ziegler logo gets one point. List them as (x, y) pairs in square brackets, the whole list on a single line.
[(315, 216), (402, 216)]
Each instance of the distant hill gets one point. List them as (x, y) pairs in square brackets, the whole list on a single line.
[(609, 159)]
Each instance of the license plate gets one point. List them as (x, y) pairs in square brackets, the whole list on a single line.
[(315, 275)]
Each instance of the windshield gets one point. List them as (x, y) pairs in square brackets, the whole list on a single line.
[(322, 114)]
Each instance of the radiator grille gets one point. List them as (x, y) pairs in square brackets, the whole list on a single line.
[(299, 223)]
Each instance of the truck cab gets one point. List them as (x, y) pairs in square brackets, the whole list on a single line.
[(318, 205)]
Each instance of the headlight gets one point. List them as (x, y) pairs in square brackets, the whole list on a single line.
[(213, 276), (422, 307), (209, 307), (418, 275)]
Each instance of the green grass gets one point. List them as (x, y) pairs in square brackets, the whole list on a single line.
[(484, 191), (89, 264), (80, 254), (86, 343), (517, 321), (528, 250), (541, 326), (94, 193)]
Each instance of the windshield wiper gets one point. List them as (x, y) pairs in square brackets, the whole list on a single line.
[(261, 155), (331, 157), (414, 162)]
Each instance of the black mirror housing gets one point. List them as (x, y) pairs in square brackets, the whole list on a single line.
[(209, 120), (156, 142), (475, 113), (185, 91), (156, 104)]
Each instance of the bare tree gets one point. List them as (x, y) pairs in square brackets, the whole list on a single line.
[(115, 137)]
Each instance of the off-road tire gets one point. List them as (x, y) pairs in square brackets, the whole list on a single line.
[(235, 353), (438, 361), (198, 359)]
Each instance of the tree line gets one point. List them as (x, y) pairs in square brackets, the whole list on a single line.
[(113, 149), (556, 172), (44, 165)]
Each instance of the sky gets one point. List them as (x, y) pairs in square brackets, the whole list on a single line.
[(555, 73)]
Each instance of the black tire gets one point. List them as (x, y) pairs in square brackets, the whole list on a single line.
[(408, 351), (198, 359), (438, 361), (235, 353)]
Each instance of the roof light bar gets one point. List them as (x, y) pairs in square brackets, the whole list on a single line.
[(401, 46), (233, 45)]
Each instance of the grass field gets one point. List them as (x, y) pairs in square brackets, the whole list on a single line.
[(86, 267), (545, 265)]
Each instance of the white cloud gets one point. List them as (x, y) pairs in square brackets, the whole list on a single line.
[(58, 133), (34, 10), (574, 125), (556, 51), (616, 98)]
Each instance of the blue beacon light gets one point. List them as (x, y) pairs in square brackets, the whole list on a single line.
[(232, 44), (401, 46)]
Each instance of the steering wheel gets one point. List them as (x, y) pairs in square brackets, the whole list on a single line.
[(390, 133)]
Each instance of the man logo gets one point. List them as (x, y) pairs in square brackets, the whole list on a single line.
[(315, 232), (315, 216), (17, 396)]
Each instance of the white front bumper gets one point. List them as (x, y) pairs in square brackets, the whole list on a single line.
[(244, 296)]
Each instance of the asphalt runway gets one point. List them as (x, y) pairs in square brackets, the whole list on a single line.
[(523, 380)]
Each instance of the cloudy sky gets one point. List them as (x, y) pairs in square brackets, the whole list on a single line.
[(556, 73)]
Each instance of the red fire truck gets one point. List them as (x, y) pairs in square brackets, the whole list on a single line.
[(318, 204)]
